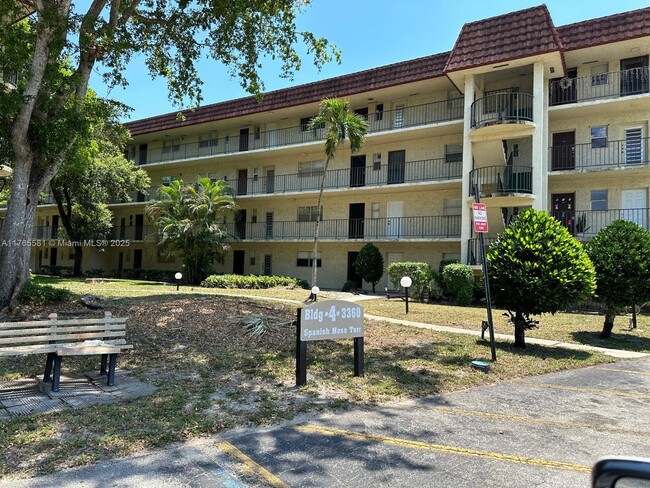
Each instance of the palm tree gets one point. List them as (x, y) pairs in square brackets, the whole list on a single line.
[(190, 221), (339, 124)]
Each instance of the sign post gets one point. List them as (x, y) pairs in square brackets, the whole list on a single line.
[(329, 320), (480, 228)]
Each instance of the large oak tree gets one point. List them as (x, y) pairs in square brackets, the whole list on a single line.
[(42, 118)]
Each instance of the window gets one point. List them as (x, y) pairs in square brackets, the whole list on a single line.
[(374, 210), (256, 174), (304, 124), (311, 168), (305, 259), (399, 116), (453, 153), (515, 150), (167, 180), (599, 137), (376, 161), (163, 257), (171, 146), (254, 216), (266, 267), (379, 111), (598, 199), (252, 258), (454, 100), (309, 214), (258, 133), (212, 176), (208, 140), (599, 75), (452, 206)]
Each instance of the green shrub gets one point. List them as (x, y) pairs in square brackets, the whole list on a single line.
[(94, 273), (251, 281), (420, 273), (146, 274), (349, 286), (42, 294), (459, 283), (441, 268), (57, 270)]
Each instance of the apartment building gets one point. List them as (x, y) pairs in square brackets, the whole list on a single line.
[(520, 113)]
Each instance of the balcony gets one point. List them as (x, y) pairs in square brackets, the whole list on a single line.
[(584, 157), (494, 181), (389, 120), (368, 176), (602, 86), (474, 256), (584, 224), (384, 229), (502, 108)]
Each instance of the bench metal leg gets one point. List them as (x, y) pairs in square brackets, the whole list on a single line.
[(111, 370), (57, 373), (48, 367), (102, 369)]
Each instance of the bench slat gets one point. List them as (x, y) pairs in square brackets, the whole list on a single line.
[(47, 348), (50, 323), (87, 350), (57, 330), (61, 337)]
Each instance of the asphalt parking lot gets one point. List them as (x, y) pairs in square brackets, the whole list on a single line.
[(541, 431)]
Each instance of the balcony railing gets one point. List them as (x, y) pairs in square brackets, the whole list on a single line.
[(492, 180), (614, 84), (618, 154), (587, 223), (474, 256), (502, 108), (391, 228), (400, 118)]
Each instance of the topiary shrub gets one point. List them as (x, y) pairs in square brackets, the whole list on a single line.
[(370, 264), (441, 269), (535, 266), (459, 283), (621, 256), (349, 287), (42, 294), (251, 281), (420, 273)]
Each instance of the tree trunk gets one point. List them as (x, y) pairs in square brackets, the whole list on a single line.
[(314, 269), (520, 330), (610, 315), (78, 258)]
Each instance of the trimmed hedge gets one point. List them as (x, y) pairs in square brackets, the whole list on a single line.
[(251, 281), (420, 273), (459, 283)]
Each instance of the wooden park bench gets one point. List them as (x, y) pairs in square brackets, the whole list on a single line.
[(70, 337)]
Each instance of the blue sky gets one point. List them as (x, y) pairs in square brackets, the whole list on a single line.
[(369, 32)]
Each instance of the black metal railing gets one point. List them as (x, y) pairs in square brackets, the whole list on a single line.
[(614, 84), (587, 223), (133, 232), (630, 152), (400, 118), (391, 228), (501, 180), (502, 108), (474, 256)]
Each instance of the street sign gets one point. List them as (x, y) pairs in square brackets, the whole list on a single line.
[(480, 217)]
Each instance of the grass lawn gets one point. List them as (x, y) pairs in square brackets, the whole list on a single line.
[(212, 374)]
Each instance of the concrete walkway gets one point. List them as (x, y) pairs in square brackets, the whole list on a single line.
[(617, 353)]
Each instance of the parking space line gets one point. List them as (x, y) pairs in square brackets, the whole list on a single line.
[(232, 451), (427, 446), (529, 420), (631, 371), (585, 390)]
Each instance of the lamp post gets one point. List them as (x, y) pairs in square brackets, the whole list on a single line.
[(406, 282), (179, 277), (314, 292)]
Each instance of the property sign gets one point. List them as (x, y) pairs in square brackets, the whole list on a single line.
[(480, 217), (331, 319)]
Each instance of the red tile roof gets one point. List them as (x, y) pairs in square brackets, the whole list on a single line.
[(382, 77), (498, 39), (503, 38), (613, 28)]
